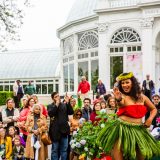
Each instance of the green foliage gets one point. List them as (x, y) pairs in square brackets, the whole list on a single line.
[(4, 95), (84, 141)]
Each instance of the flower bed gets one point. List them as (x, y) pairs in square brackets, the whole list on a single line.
[(84, 141)]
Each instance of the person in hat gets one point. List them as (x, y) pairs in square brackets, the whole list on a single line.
[(128, 135)]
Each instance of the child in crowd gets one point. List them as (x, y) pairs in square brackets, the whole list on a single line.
[(13, 134), (103, 105), (112, 105), (18, 149), (93, 116), (5, 145)]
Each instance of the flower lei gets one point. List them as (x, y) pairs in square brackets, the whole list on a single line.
[(123, 77)]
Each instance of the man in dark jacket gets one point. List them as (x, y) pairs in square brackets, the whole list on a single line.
[(86, 111), (59, 127), (100, 88), (148, 86)]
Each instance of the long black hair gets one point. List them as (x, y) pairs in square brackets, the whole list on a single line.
[(135, 92)]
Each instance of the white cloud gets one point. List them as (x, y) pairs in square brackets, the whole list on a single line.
[(41, 22)]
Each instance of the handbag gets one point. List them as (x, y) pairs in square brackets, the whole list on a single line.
[(45, 138)]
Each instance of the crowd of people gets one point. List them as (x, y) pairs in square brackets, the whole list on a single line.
[(22, 128)]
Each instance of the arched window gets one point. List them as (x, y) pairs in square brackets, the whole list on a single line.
[(88, 40), (125, 35), (68, 45)]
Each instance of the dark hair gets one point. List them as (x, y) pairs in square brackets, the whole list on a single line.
[(155, 95), (135, 90), (53, 94), (8, 99), (95, 105), (27, 104), (76, 111), (107, 96), (108, 102), (88, 100)]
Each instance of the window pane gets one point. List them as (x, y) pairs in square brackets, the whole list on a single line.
[(6, 88), (44, 80), (111, 50), (71, 75), (129, 49), (44, 88), (116, 49), (57, 87), (94, 73), (134, 48), (50, 88), (50, 80), (121, 49), (82, 70), (116, 68), (139, 48), (65, 73), (1, 88), (38, 88), (11, 87)]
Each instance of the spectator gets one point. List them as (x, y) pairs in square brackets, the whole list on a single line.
[(13, 134), (59, 127), (10, 114), (74, 126), (100, 88), (86, 111), (18, 150), (5, 145), (84, 88), (23, 117), (23, 102), (107, 96), (148, 86), (18, 93), (93, 116), (43, 108), (36, 124), (103, 105), (156, 102), (112, 105), (30, 89)]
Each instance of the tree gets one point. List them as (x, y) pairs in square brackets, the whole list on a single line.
[(11, 19)]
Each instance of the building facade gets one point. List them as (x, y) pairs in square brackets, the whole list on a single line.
[(103, 38), (41, 66)]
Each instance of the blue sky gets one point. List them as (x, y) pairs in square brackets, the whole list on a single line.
[(40, 24)]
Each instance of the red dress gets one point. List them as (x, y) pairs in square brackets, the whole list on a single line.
[(134, 111)]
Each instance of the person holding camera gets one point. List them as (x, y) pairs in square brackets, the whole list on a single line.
[(59, 127)]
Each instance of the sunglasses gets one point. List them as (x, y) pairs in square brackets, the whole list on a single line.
[(78, 114)]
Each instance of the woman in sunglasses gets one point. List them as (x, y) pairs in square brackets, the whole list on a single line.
[(74, 126)]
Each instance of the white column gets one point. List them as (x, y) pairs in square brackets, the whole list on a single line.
[(75, 49), (103, 54), (147, 52), (61, 86)]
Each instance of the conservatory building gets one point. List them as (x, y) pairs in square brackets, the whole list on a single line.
[(103, 38), (41, 66)]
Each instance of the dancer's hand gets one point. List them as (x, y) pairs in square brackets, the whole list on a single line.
[(117, 94), (147, 123)]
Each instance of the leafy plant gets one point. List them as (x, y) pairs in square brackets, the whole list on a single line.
[(84, 141)]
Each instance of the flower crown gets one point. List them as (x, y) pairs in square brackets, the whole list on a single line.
[(126, 76)]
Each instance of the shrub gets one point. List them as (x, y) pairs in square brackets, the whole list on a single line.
[(4, 95)]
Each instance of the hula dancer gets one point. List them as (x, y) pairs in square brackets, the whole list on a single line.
[(128, 136)]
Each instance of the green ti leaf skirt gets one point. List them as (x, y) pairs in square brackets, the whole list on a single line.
[(130, 138)]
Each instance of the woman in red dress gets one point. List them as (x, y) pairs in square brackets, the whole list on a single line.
[(127, 136)]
